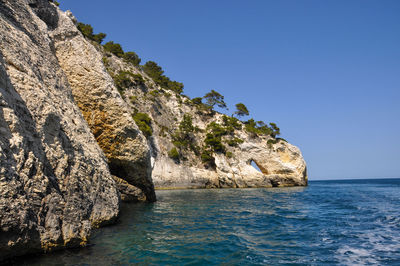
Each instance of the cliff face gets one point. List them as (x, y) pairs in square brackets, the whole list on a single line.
[(54, 179), (109, 117), (280, 163), (70, 148)]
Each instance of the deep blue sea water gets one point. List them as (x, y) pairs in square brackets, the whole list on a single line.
[(352, 222)]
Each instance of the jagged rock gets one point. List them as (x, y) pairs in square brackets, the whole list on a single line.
[(109, 117), (128, 192), (54, 181)]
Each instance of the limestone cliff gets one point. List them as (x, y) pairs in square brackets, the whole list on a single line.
[(55, 184), (281, 163), (102, 106), (70, 145)]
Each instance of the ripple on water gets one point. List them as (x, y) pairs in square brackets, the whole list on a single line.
[(340, 222)]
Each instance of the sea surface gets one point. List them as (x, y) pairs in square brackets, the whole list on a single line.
[(352, 222)]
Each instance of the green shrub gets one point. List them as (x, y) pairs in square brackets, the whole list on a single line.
[(167, 95), (106, 62), (114, 48), (241, 110), (234, 142), (123, 81), (133, 99), (155, 72), (197, 101), (139, 80), (154, 93), (231, 123), (258, 128), (208, 159), (229, 154), (87, 31), (214, 142), (184, 136), (56, 3), (174, 154), (216, 129), (143, 121), (275, 130), (132, 58)]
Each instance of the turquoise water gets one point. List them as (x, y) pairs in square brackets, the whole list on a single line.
[(328, 223)]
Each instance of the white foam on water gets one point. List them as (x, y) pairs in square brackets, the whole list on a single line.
[(371, 244), (355, 256)]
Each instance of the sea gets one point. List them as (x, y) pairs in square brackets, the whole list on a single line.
[(343, 222)]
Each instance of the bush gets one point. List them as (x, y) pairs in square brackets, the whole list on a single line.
[(154, 93), (257, 128), (114, 48), (184, 137), (231, 123), (214, 142), (87, 31), (216, 129), (139, 80), (157, 74), (143, 121), (208, 159), (123, 81), (197, 101), (234, 142), (132, 58), (174, 154)]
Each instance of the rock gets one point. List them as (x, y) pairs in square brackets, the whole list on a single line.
[(55, 184), (128, 192), (109, 117), (281, 164)]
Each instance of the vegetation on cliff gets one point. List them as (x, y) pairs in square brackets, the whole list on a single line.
[(217, 135)]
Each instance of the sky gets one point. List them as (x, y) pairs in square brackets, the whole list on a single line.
[(327, 72)]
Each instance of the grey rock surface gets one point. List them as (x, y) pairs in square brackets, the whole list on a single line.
[(55, 184)]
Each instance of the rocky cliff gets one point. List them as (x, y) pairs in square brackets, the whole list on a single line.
[(55, 183), (175, 123), (82, 128)]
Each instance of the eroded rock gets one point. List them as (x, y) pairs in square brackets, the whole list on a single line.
[(54, 181), (108, 116)]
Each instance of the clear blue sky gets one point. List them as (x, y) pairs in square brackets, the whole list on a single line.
[(327, 72)]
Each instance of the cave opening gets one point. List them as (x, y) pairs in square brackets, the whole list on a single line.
[(255, 166)]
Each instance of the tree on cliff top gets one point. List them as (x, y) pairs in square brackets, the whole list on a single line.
[(241, 110), (132, 57), (214, 98), (157, 74), (87, 31), (114, 48)]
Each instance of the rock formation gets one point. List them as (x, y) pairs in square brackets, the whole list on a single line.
[(109, 117), (281, 163), (54, 180)]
